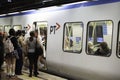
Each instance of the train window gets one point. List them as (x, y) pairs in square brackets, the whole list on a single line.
[(99, 37), (17, 27), (7, 28), (118, 42), (73, 32), (1, 28)]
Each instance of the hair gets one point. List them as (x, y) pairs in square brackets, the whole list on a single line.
[(18, 33), (23, 32), (31, 35), (104, 46), (36, 33), (12, 32)]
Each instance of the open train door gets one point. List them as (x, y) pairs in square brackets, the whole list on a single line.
[(41, 26)]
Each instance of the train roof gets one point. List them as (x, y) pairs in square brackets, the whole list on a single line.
[(8, 6), (11, 6)]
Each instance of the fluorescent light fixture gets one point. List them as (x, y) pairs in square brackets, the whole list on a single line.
[(81, 2), (46, 1), (28, 10), (13, 13), (9, 0), (3, 14), (76, 3)]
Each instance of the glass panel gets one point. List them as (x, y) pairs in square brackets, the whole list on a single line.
[(17, 27), (99, 38), (42, 33), (1, 28), (73, 32), (7, 28)]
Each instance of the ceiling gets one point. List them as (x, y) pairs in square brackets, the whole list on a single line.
[(9, 6)]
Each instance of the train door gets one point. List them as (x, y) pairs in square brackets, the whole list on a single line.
[(41, 26), (118, 41)]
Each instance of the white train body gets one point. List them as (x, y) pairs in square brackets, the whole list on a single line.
[(76, 65)]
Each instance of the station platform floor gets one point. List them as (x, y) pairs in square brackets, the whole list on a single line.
[(24, 76)]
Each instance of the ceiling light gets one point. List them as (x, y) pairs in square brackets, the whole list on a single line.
[(46, 1), (9, 0)]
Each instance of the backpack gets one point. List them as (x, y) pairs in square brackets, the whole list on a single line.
[(8, 46)]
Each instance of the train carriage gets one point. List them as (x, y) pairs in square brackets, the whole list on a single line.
[(72, 31)]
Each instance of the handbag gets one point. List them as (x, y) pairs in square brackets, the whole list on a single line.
[(15, 53), (38, 49)]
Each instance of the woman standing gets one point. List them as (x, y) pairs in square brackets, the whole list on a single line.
[(9, 56), (19, 61), (33, 58)]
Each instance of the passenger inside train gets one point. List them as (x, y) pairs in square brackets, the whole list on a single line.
[(103, 50), (90, 48)]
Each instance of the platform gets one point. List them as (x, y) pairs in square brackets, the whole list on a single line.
[(41, 76)]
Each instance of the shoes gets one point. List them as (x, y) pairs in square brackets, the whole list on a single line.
[(10, 75), (44, 68), (13, 75), (1, 69), (30, 75), (35, 75), (19, 74)]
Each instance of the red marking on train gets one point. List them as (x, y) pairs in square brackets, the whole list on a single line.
[(28, 27), (57, 26)]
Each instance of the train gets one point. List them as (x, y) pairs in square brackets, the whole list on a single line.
[(70, 30)]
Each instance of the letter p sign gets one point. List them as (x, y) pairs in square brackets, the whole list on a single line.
[(52, 29)]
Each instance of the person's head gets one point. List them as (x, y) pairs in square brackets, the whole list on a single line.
[(12, 32), (90, 45), (104, 49), (31, 35), (23, 32), (103, 45), (18, 33)]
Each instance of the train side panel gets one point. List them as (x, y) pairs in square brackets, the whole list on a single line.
[(83, 65), (76, 65)]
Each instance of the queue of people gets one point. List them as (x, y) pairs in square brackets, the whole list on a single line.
[(23, 49)]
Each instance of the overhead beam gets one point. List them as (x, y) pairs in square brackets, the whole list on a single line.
[(16, 5)]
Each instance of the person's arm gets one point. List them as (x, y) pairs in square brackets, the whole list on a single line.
[(26, 46), (21, 41), (39, 43)]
